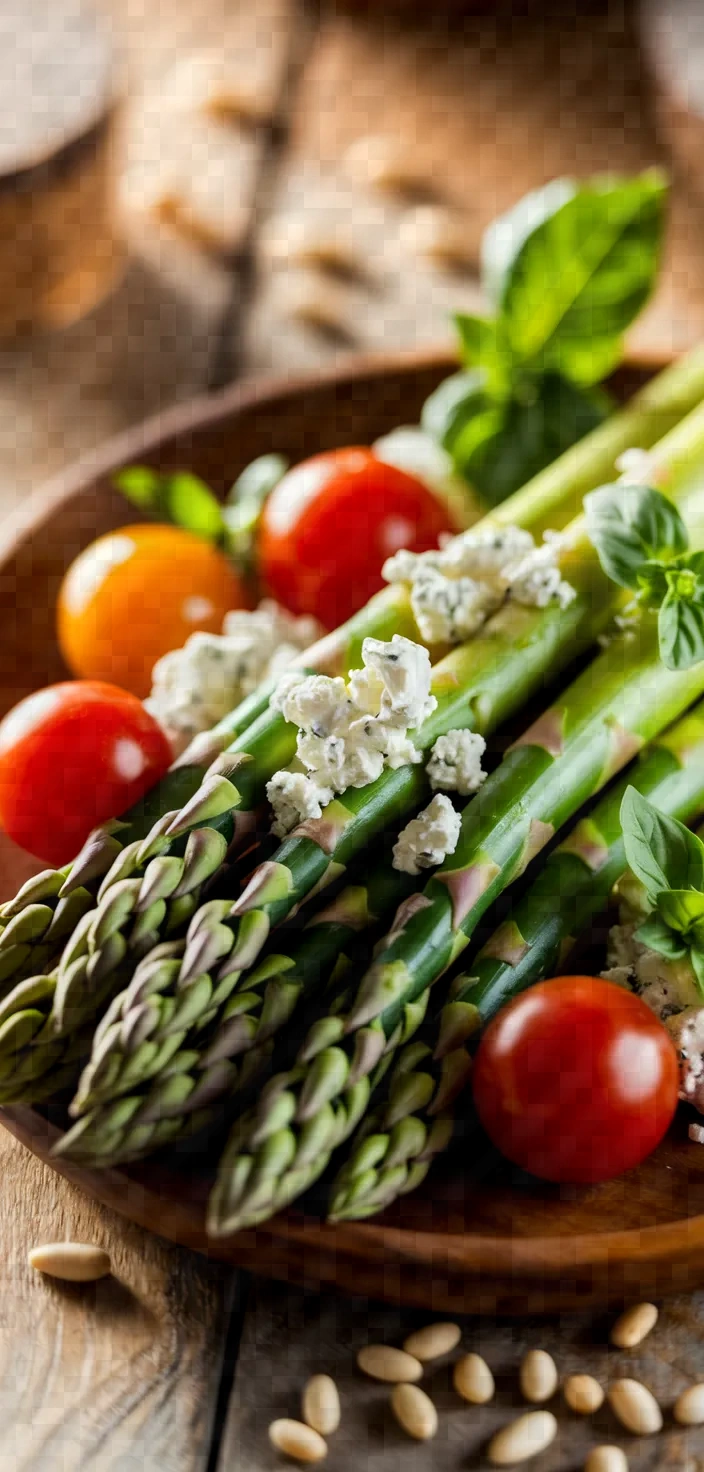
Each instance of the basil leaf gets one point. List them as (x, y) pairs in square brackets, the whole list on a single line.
[(631, 526), (662, 853), (681, 631), (141, 485), (483, 344), (506, 446), (680, 908), (453, 403), (655, 934), (179, 497), (570, 268), (696, 957)]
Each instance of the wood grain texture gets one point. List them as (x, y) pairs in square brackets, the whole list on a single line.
[(156, 340), (112, 1375), (290, 1335), (487, 107)]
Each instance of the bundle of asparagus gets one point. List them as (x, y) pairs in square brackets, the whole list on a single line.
[(197, 992), (478, 685), (412, 1118), (56, 899)]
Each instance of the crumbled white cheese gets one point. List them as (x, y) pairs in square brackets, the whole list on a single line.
[(536, 580), (294, 798), (696, 1133), (410, 448), (670, 989), (687, 1032), (456, 588), (349, 732), (194, 687), (456, 762), (404, 671), (429, 838), (638, 468)]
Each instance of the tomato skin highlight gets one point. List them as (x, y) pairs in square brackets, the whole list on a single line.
[(576, 1080), (72, 756), (137, 593), (331, 522)]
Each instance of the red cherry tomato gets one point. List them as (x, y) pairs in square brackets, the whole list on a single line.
[(576, 1080), (331, 522), (70, 757)]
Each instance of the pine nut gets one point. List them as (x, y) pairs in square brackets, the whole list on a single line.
[(635, 1406), (538, 1376), (383, 163), (473, 1380), (606, 1459), (634, 1325), (414, 1411), (523, 1439), (433, 1341), (583, 1394), (321, 1404), (382, 1362), (76, 1262), (295, 1440), (689, 1407), (438, 235)]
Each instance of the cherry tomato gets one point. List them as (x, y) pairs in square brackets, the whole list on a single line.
[(576, 1080), (331, 522), (137, 593), (70, 757)]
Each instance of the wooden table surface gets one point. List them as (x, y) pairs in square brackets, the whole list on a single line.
[(176, 1364)]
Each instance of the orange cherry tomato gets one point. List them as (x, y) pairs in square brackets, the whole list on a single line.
[(72, 756), (137, 593), (331, 522)]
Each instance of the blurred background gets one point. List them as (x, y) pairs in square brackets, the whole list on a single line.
[(193, 191)]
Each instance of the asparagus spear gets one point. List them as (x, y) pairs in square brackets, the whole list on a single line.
[(190, 1079), (624, 698), (477, 685), (412, 1121)]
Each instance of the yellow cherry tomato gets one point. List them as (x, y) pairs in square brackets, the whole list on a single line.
[(137, 593)]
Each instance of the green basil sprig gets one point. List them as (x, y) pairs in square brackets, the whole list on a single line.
[(643, 544), (565, 273), (184, 500), (668, 860)]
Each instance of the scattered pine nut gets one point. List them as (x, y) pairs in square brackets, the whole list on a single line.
[(636, 1407), (297, 243), (383, 1362), (606, 1459), (583, 1394), (473, 1380), (634, 1325), (76, 1262), (538, 1376), (321, 1404), (414, 1411), (522, 1439), (689, 1406), (433, 1341), (297, 1441)]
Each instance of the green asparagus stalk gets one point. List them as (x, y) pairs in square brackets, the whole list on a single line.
[(623, 699), (222, 1060), (412, 1120), (477, 685)]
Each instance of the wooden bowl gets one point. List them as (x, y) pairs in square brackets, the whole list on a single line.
[(496, 1246)]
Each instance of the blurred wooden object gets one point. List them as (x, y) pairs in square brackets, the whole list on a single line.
[(59, 252), (673, 40)]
